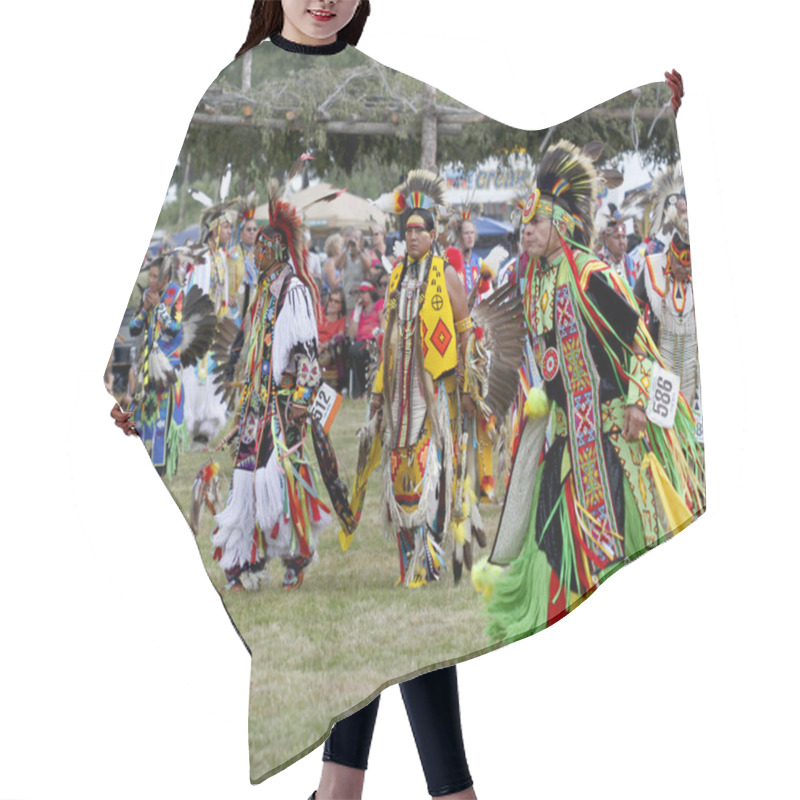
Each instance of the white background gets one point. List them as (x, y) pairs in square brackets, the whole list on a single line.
[(120, 675)]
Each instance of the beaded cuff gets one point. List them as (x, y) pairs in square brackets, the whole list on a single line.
[(639, 383), (465, 324)]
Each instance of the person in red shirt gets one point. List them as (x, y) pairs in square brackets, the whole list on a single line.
[(331, 330), (364, 328)]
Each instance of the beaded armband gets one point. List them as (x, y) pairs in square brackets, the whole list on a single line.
[(639, 383), (463, 325)]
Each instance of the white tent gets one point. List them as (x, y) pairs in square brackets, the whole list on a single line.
[(326, 218)]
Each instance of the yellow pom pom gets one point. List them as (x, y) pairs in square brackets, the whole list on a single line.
[(484, 576), (536, 404)]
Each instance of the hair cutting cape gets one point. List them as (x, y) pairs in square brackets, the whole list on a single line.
[(353, 553)]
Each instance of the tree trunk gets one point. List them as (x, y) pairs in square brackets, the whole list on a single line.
[(184, 190), (247, 70), (428, 156)]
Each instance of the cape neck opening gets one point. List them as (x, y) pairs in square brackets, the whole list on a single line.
[(309, 50)]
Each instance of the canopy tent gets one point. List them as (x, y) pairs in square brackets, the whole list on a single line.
[(192, 233), (486, 226), (492, 232), (326, 218)]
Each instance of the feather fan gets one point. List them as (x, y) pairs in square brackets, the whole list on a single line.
[(161, 373), (198, 326), (225, 352), (500, 317), (664, 215)]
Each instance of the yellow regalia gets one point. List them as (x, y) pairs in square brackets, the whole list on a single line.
[(417, 378), (437, 329)]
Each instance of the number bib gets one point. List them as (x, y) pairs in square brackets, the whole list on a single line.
[(326, 406), (698, 418), (664, 393)]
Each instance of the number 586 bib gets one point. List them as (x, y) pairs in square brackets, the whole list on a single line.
[(664, 391)]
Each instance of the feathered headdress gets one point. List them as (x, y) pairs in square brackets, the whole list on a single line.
[(283, 217), (566, 187), (213, 216), (518, 203), (467, 211), (610, 219), (421, 189), (665, 216), (247, 207)]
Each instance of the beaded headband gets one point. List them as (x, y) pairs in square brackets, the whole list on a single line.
[(546, 207)]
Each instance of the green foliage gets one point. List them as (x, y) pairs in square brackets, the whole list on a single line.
[(370, 177), (168, 218), (303, 95)]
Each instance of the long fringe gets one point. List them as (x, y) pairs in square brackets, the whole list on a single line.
[(271, 510), (428, 558), (439, 464), (389, 366), (519, 604), (175, 442)]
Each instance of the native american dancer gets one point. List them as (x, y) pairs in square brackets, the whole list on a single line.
[(274, 509), (664, 288), (477, 276), (177, 329), (414, 401), (241, 257), (419, 390), (614, 251), (611, 484), (205, 410)]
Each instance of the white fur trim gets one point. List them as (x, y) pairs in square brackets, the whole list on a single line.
[(295, 325), (270, 489), (237, 522)]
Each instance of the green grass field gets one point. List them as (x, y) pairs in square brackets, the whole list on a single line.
[(330, 646)]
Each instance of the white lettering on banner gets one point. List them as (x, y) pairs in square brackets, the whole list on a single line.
[(664, 393), (501, 180)]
